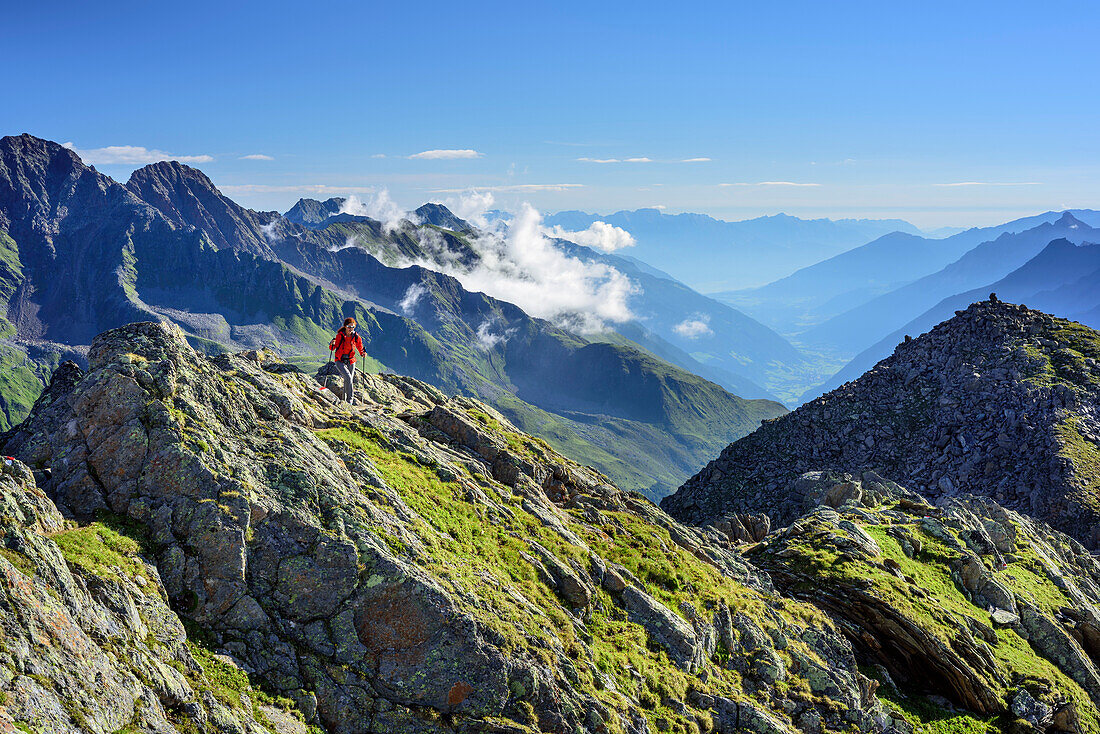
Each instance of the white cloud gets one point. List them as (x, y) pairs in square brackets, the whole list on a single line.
[(513, 188), (269, 229), (257, 157), (771, 183), (444, 155), (319, 190), (520, 265), (408, 302), (616, 160), (379, 155), (990, 183), (696, 160), (471, 205), (600, 235), (693, 328), (377, 206), (486, 336), (349, 242), (131, 155)]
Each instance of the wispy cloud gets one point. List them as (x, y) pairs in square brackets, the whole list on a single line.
[(379, 155), (314, 189), (471, 206), (991, 183), (615, 160), (412, 296), (132, 155), (770, 183), (520, 264), (695, 327), (257, 157), (378, 206), (600, 235), (513, 188), (696, 160), (445, 155), (490, 333)]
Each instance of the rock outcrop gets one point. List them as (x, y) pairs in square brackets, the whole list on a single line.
[(965, 599), (999, 401), (411, 564), (89, 642)]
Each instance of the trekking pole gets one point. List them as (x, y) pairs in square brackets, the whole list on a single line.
[(328, 376), (363, 370)]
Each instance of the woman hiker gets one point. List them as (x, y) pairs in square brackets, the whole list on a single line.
[(345, 344)]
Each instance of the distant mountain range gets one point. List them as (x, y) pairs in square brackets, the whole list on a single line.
[(853, 330), (81, 253), (840, 283), (1063, 278), (672, 321), (713, 255)]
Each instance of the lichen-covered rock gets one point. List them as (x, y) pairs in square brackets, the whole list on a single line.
[(946, 604), (89, 643), (414, 563)]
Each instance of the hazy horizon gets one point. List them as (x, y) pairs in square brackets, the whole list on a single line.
[(943, 116)]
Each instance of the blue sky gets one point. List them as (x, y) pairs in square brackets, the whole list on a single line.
[(876, 108)]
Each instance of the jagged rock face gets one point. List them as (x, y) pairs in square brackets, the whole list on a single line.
[(967, 599), (417, 564), (310, 212), (93, 645), (999, 401), (75, 230), (187, 198), (441, 216)]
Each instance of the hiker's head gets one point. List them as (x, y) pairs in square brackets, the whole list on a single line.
[(349, 324)]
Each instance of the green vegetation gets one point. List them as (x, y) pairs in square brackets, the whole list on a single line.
[(1069, 364), (479, 548), (937, 605), (927, 718), (1085, 456), (20, 385), (109, 546), (229, 684), (20, 561)]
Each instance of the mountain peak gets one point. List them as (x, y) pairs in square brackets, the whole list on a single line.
[(27, 161), (311, 212), (1068, 220), (1058, 246), (988, 402), (27, 144), (441, 216), (187, 197), (172, 173)]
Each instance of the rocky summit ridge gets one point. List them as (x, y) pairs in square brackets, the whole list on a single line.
[(215, 544), (999, 401), (240, 548)]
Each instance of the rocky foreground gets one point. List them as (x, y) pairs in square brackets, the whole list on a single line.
[(412, 565), (215, 545)]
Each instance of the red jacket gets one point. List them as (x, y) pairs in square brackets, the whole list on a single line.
[(343, 344)]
